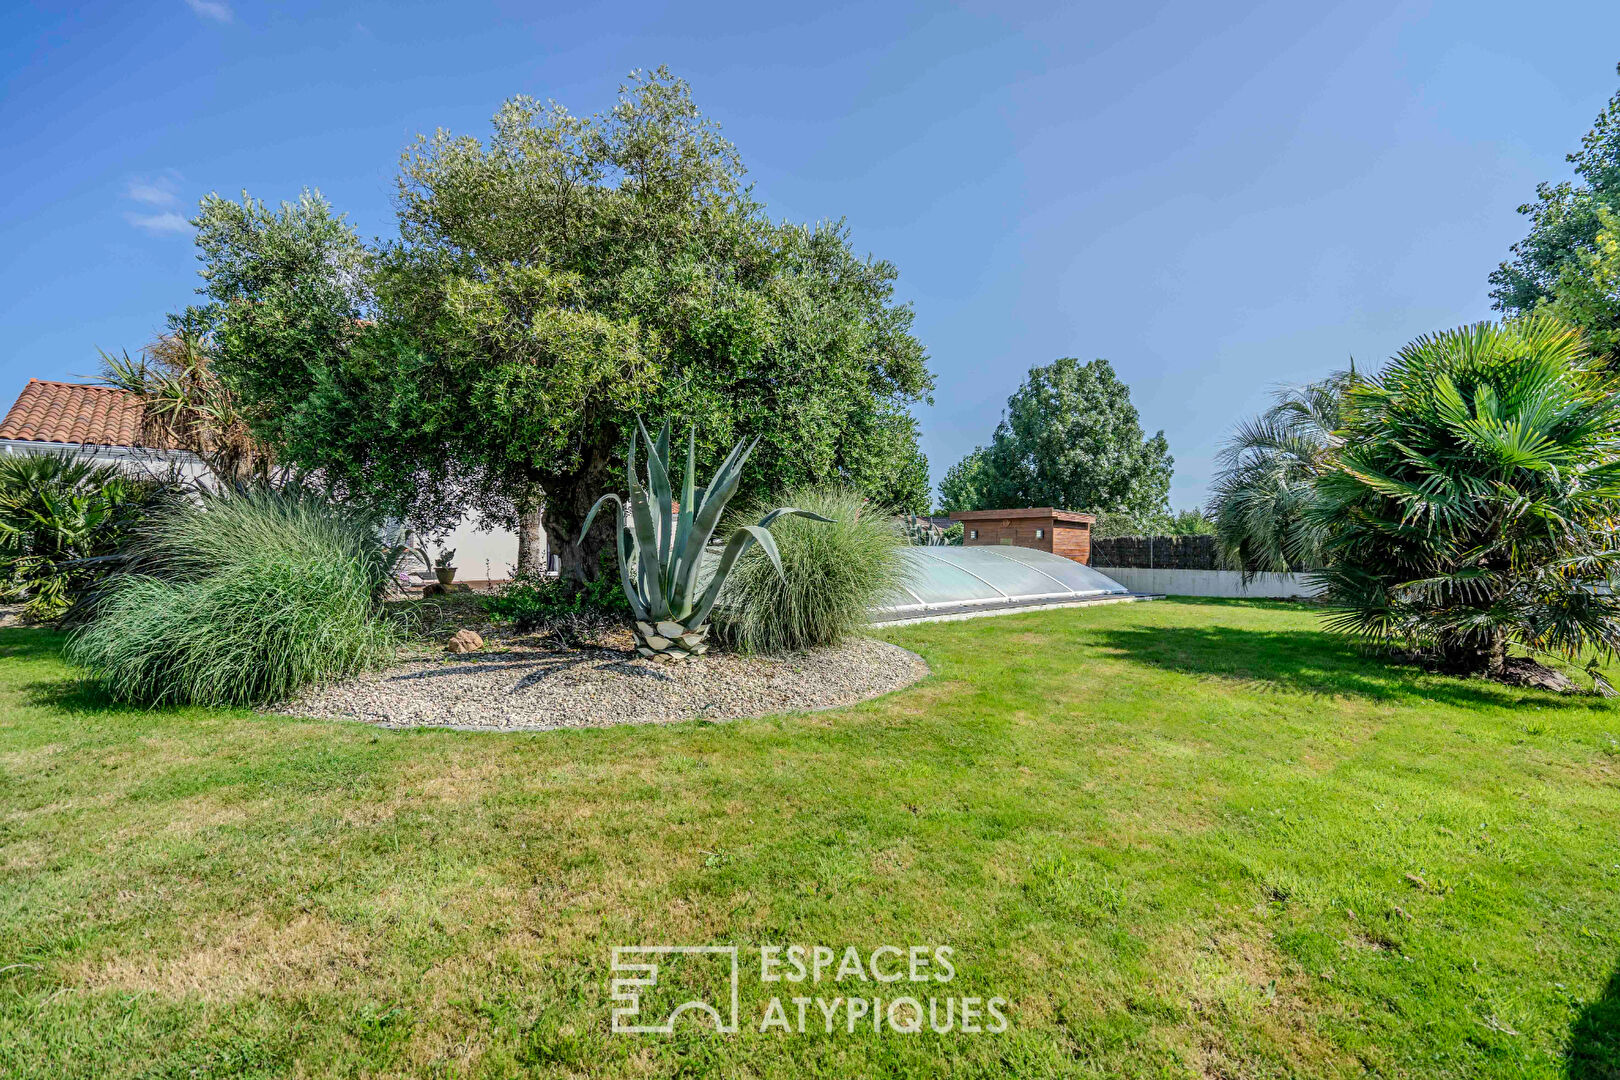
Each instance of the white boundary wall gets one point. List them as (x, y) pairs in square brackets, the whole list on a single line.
[(1211, 583)]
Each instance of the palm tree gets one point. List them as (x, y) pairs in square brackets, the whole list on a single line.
[(1471, 504), (188, 406), (57, 510), (1266, 478)]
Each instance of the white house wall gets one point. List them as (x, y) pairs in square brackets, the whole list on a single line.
[(482, 555), (139, 462)]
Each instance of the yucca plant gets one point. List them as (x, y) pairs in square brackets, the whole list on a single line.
[(661, 544), (1473, 502)]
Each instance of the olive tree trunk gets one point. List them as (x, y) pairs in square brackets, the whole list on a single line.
[(531, 546), (569, 499)]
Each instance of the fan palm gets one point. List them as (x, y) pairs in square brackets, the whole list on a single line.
[(1472, 504), (1267, 475), (57, 510)]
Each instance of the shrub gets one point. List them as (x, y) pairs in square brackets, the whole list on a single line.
[(57, 510), (241, 599), (530, 601), (1472, 505), (832, 574)]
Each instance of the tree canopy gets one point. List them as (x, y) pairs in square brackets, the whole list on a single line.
[(1070, 438), (546, 287), (1570, 260)]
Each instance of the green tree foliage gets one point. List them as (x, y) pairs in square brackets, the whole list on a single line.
[(1192, 522), (1266, 480), (546, 286), (1587, 293), (965, 485), (1569, 261), (1070, 438), (1180, 523), (1471, 504), (290, 328)]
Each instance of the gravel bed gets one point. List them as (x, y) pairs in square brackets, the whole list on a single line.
[(539, 687)]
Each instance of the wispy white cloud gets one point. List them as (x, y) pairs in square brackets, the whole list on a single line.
[(161, 191), (217, 10), (167, 223), (159, 197)]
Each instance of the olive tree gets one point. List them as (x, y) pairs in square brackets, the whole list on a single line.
[(547, 285)]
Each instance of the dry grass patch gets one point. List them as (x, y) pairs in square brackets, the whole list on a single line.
[(249, 956)]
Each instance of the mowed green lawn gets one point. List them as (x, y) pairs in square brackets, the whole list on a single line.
[(1180, 839)]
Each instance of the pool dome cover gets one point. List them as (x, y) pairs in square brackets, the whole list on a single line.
[(950, 580)]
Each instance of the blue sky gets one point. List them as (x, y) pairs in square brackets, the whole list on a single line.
[(1216, 197)]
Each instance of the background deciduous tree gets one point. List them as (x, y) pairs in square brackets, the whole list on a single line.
[(963, 487), (1570, 260), (1070, 438)]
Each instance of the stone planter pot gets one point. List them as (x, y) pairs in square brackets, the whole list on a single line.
[(445, 574)]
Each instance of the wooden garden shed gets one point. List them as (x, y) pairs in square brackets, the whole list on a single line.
[(1062, 532)]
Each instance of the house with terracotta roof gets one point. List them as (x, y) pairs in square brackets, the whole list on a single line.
[(104, 424), (92, 421)]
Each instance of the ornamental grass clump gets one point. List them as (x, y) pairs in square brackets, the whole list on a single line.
[(832, 574), (241, 599)]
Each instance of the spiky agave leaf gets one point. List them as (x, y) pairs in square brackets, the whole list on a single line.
[(661, 548)]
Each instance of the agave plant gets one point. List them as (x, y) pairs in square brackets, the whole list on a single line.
[(661, 544), (922, 532)]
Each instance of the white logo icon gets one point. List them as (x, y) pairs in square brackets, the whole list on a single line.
[(641, 961)]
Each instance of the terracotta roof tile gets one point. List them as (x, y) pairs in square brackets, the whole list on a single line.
[(75, 414)]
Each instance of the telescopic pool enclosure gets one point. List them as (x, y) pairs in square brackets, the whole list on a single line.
[(957, 582)]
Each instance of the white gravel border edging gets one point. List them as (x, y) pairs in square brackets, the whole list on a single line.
[(541, 688)]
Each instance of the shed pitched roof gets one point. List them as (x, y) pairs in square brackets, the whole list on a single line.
[(1070, 516), (76, 414)]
